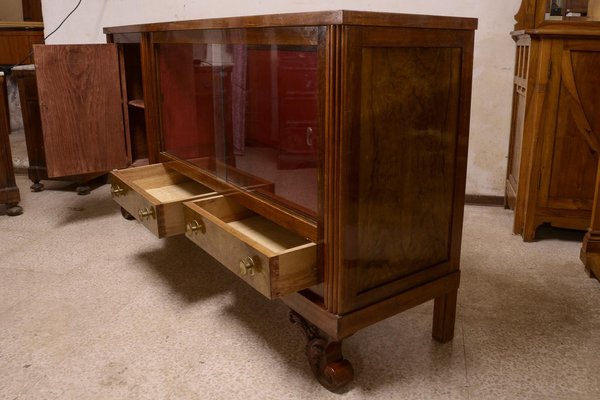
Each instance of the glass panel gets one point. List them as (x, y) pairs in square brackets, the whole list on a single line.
[(559, 9), (246, 113)]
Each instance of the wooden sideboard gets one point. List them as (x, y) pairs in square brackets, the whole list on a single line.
[(551, 165), (9, 192), (347, 205)]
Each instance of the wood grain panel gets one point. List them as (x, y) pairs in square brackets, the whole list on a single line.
[(587, 79), (15, 45), (80, 107), (406, 163), (573, 165), (403, 154)]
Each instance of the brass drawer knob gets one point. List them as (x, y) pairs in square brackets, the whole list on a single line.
[(116, 190), (248, 266), (194, 226), (146, 213)]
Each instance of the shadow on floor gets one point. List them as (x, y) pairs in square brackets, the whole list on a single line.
[(196, 276), (546, 231)]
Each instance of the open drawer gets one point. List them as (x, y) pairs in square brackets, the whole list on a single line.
[(154, 195), (272, 259)]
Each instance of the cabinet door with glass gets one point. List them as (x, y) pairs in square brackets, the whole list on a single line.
[(243, 104)]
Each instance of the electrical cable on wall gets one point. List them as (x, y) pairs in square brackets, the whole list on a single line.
[(48, 35)]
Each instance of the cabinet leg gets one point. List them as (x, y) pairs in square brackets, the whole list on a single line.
[(36, 186), (444, 314), (324, 356)]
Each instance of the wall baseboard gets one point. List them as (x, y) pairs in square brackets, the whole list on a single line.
[(484, 200)]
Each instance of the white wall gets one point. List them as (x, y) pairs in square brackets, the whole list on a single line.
[(11, 10), (494, 52)]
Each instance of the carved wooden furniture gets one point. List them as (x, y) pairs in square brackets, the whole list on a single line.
[(552, 164), (321, 157), (9, 192)]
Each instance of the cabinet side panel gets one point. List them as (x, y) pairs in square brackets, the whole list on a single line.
[(402, 176), (80, 107), (405, 181)]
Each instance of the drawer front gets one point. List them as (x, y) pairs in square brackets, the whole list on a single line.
[(272, 274), (140, 208), (154, 195)]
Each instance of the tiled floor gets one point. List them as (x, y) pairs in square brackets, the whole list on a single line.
[(94, 307)]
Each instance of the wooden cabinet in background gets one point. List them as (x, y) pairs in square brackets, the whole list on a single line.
[(552, 165)]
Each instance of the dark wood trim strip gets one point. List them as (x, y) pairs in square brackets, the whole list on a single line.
[(340, 327), (484, 200)]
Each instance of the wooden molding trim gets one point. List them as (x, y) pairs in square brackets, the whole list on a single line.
[(484, 200)]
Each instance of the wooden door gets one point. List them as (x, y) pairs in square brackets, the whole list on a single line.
[(80, 107)]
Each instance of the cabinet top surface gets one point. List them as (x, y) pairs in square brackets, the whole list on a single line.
[(575, 28), (338, 17)]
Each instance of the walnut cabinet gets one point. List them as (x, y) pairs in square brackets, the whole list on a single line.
[(321, 157)]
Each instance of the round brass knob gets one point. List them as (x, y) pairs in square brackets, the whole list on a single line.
[(117, 190), (146, 212), (247, 266), (194, 226)]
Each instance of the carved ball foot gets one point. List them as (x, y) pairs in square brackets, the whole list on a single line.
[(126, 215), (324, 356), (328, 364), (83, 190), (13, 210), (36, 187)]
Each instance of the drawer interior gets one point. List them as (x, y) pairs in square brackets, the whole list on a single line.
[(166, 185), (269, 234), (249, 226)]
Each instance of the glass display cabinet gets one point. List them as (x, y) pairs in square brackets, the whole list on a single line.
[(321, 157)]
